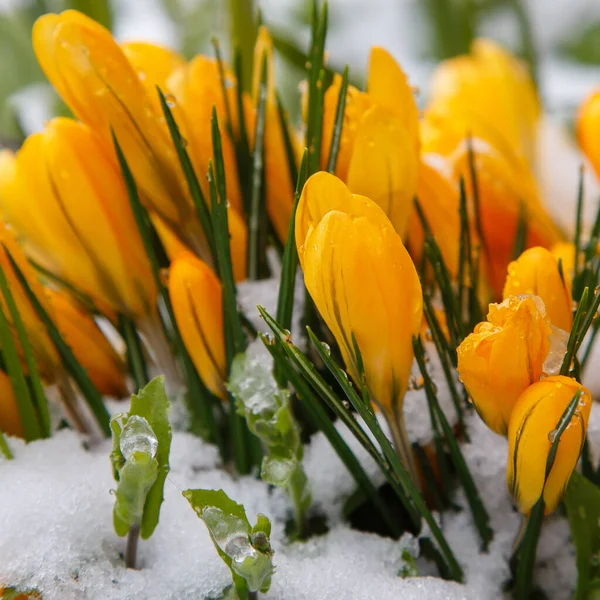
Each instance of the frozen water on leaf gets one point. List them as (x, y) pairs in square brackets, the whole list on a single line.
[(556, 354), (137, 436)]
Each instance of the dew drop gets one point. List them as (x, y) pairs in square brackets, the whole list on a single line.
[(170, 100), (552, 436)]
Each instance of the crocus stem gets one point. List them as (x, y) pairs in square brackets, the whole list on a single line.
[(131, 550), (72, 407), (295, 491), (4, 449), (160, 350), (252, 595), (401, 443)]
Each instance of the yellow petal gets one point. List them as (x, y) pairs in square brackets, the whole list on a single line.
[(536, 272), (384, 165), (321, 194), (195, 293), (90, 346), (530, 436), (565, 252), (388, 87), (197, 89), (503, 356), (588, 128), (154, 65), (439, 199), (364, 283), (94, 77)]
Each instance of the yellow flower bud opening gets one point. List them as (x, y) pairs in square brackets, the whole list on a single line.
[(530, 435), (196, 296), (364, 284), (588, 129), (536, 272), (503, 356)]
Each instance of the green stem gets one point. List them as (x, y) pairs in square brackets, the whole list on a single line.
[(402, 443), (295, 491), (131, 550), (4, 449), (243, 32)]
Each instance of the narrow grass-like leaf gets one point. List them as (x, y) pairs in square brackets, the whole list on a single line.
[(224, 85), (412, 494), (200, 399), (71, 364), (290, 153), (257, 222), (25, 406), (37, 388), (480, 515), (324, 424), (338, 124), (525, 556), (578, 229), (190, 175), (135, 352), (573, 342), (476, 197), (289, 266), (4, 449)]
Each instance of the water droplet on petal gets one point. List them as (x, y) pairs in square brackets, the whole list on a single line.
[(137, 436)]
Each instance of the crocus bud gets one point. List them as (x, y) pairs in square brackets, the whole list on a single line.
[(565, 252), (379, 148), (196, 296), (90, 347), (588, 128), (503, 356), (488, 94), (66, 196), (536, 272), (531, 432), (10, 421), (93, 76), (504, 189), (363, 282)]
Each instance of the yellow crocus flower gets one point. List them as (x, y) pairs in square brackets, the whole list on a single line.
[(503, 356), (93, 76), (46, 356), (379, 148), (10, 421), (90, 347), (196, 89), (439, 199), (279, 187), (530, 435), (536, 272), (565, 252), (66, 197), (488, 94), (196, 296), (502, 191), (588, 129), (364, 284), (154, 65)]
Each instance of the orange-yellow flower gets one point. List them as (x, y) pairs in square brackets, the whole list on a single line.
[(47, 358), (196, 89), (503, 190), (363, 282), (565, 252), (536, 272), (588, 129), (102, 88), (66, 197), (10, 421), (279, 187), (379, 149), (91, 348), (530, 435), (439, 199), (196, 297), (503, 356), (488, 94)]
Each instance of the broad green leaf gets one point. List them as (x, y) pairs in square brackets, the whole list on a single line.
[(152, 404), (582, 500)]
